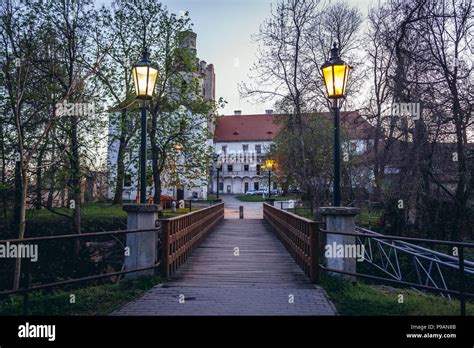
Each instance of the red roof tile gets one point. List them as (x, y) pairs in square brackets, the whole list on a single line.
[(246, 128), (262, 127)]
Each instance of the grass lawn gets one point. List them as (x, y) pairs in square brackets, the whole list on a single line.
[(99, 210), (303, 212), (94, 217), (91, 300), (167, 213), (245, 198), (369, 219), (362, 299)]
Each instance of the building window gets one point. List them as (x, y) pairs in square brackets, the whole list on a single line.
[(127, 180), (255, 186), (258, 149), (246, 167), (258, 169), (224, 149), (245, 147), (230, 168), (221, 186)]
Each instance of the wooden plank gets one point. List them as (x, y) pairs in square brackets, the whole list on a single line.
[(262, 261)]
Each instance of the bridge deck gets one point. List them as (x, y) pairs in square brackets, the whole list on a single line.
[(261, 280)]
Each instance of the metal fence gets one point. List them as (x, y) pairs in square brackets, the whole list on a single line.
[(389, 262), (26, 275), (177, 237)]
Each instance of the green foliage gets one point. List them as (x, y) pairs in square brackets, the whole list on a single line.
[(304, 154), (96, 217), (101, 299), (369, 218), (357, 298)]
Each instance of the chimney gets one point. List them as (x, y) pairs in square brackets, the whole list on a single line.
[(269, 111), (237, 112)]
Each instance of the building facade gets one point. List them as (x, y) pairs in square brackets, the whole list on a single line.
[(241, 143)]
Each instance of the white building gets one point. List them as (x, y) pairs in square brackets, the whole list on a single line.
[(242, 141)]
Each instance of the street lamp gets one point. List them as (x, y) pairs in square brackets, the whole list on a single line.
[(218, 168), (144, 75), (335, 73), (270, 165)]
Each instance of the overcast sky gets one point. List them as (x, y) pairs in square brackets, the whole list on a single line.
[(224, 29)]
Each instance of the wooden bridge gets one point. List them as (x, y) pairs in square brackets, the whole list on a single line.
[(215, 266)]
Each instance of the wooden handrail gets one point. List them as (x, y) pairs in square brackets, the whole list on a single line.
[(182, 234), (299, 235)]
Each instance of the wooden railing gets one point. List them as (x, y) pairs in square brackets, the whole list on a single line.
[(182, 234), (299, 235)]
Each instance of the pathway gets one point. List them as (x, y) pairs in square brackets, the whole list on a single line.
[(241, 268)]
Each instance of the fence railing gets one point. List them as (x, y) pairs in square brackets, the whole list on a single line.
[(299, 236), (298, 207), (26, 271), (303, 241), (187, 204), (395, 241), (182, 234)]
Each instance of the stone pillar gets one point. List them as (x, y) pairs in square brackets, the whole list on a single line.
[(340, 219), (142, 246)]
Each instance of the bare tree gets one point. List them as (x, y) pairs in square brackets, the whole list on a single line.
[(294, 43)]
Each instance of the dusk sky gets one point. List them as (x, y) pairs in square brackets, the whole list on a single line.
[(224, 29)]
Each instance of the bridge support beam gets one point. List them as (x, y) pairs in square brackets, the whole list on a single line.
[(340, 219), (141, 247)]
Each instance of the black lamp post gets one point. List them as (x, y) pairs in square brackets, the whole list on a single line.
[(218, 168), (270, 165), (144, 76), (335, 73)]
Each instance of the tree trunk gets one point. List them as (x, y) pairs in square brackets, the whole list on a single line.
[(154, 161), (18, 192), (22, 225), (118, 196), (4, 179), (76, 182), (39, 196)]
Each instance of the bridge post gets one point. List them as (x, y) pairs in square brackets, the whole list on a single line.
[(340, 219), (142, 246)]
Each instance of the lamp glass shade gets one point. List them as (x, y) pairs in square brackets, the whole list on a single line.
[(335, 79), (144, 76), (269, 164)]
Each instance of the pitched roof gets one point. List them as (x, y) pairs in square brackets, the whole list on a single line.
[(264, 127), (246, 128)]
